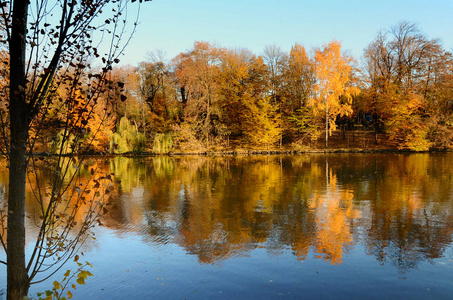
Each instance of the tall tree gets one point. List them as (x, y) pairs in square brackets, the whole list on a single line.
[(197, 73), (38, 50), (157, 90), (300, 77), (403, 74), (241, 84), (333, 91), (276, 61)]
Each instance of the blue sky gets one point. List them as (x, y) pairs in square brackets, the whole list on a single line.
[(173, 25)]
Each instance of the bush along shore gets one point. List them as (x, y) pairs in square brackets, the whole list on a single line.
[(363, 142)]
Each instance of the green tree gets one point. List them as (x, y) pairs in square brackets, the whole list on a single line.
[(127, 138), (307, 124)]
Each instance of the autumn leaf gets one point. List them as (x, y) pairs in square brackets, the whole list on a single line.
[(81, 281), (56, 285)]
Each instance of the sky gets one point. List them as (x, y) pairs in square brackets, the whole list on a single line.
[(172, 26)]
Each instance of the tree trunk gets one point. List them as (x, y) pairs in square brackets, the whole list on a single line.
[(18, 282), (327, 124), (376, 128), (17, 277)]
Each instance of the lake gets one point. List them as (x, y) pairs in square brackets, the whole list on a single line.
[(315, 226)]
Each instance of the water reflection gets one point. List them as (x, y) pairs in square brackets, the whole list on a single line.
[(398, 208)]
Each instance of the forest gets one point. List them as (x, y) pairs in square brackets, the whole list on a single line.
[(398, 95)]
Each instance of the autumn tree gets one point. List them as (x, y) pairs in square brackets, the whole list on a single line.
[(299, 77), (157, 90), (124, 85), (40, 47), (404, 74), (276, 61), (263, 122), (333, 91), (151, 86), (197, 74), (242, 84)]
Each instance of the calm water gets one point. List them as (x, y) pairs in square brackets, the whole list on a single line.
[(291, 227)]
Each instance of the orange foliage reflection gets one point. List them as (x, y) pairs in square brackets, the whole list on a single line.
[(314, 206)]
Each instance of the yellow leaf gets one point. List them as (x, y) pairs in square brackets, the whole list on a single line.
[(81, 280), (67, 273), (56, 284), (69, 295)]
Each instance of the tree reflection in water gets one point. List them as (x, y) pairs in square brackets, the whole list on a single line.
[(398, 206)]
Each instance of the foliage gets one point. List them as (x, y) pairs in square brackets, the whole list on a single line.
[(198, 73), (211, 90), (300, 77), (406, 126), (62, 290), (263, 123), (403, 67), (62, 143), (440, 134), (163, 142), (306, 124), (185, 138), (333, 91), (241, 83), (127, 138)]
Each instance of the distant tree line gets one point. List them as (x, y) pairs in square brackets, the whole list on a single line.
[(213, 98)]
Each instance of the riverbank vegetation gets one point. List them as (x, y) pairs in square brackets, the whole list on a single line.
[(397, 96)]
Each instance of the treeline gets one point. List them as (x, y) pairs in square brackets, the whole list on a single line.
[(213, 98)]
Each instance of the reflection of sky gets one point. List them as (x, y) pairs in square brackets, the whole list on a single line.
[(129, 268)]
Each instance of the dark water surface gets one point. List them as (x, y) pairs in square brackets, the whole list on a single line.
[(370, 226)]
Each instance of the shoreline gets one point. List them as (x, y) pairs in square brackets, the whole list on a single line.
[(253, 152)]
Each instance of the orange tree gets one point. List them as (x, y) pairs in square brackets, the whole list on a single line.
[(197, 73)]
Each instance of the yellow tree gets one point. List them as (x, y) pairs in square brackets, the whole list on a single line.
[(263, 122), (333, 91), (241, 86)]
